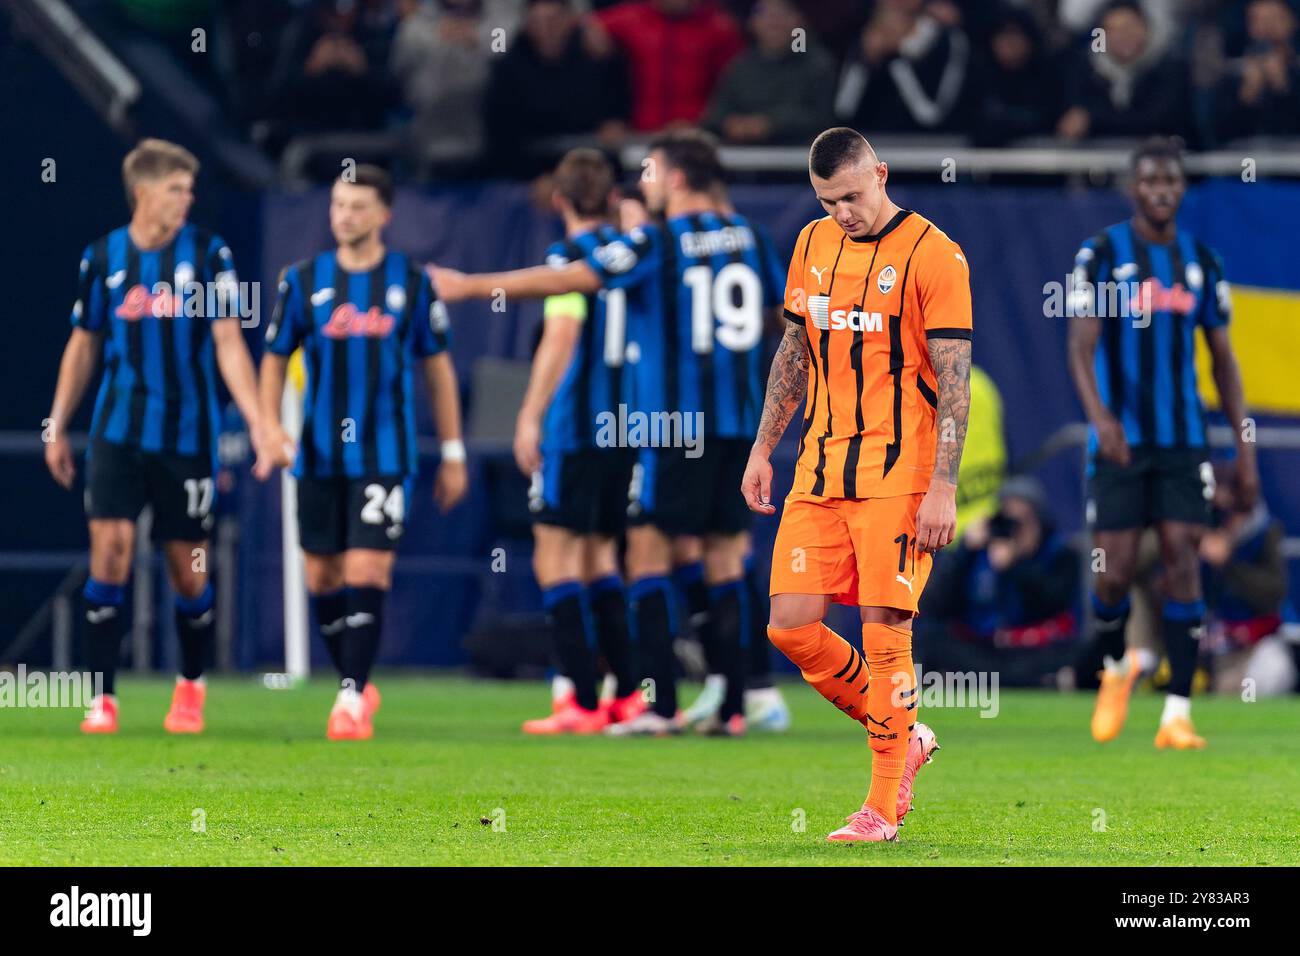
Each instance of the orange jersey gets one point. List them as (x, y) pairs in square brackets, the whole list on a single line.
[(870, 305)]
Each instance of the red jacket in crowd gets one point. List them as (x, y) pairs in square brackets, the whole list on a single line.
[(675, 61)]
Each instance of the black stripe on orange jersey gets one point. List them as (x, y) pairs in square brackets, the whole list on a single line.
[(896, 360), (948, 334), (824, 343), (854, 451), (810, 403), (926, 391)]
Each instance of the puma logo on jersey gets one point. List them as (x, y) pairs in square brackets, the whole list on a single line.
[(902, 580), (818, 273), (321, 296)]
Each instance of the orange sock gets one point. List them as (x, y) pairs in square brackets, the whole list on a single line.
[(832, 665), (891, 711)]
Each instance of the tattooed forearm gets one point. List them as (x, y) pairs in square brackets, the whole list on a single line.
[(951, 361), (787, 384)]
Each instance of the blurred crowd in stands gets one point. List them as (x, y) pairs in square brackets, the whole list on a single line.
[(486, 85)]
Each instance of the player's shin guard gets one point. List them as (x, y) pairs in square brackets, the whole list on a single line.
[(758, 661), (609, 612), (105, 625), (195, 627), (828, 662), (331, 610), (729, 613), (653, 629), (891, 711), (1181, 624), (566, 617), (1110, 622), (360, 643)]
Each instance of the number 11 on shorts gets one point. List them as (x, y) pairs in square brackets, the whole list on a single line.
[(905, 544)]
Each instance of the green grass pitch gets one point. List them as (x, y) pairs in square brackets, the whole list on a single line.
[(263, 787)]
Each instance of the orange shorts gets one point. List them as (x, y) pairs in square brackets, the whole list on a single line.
[(858, 550)]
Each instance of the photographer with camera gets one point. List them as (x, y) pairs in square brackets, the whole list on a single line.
[(1005, 598)]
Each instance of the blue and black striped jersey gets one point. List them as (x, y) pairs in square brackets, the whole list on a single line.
[(154, 307), (1151, 298), (594, 381), (707, 281), (359, 332)]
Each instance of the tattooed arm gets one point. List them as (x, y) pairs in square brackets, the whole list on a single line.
[(951, 361), (936, 519), (787, 384)]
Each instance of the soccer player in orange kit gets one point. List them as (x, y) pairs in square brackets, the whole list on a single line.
[(878, 340)]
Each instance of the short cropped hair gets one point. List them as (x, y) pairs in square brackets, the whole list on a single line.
[(1132, 6), (695, 153), (376, 177), (154, 159), (1158, 147), (585, 177), (835, 148)]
